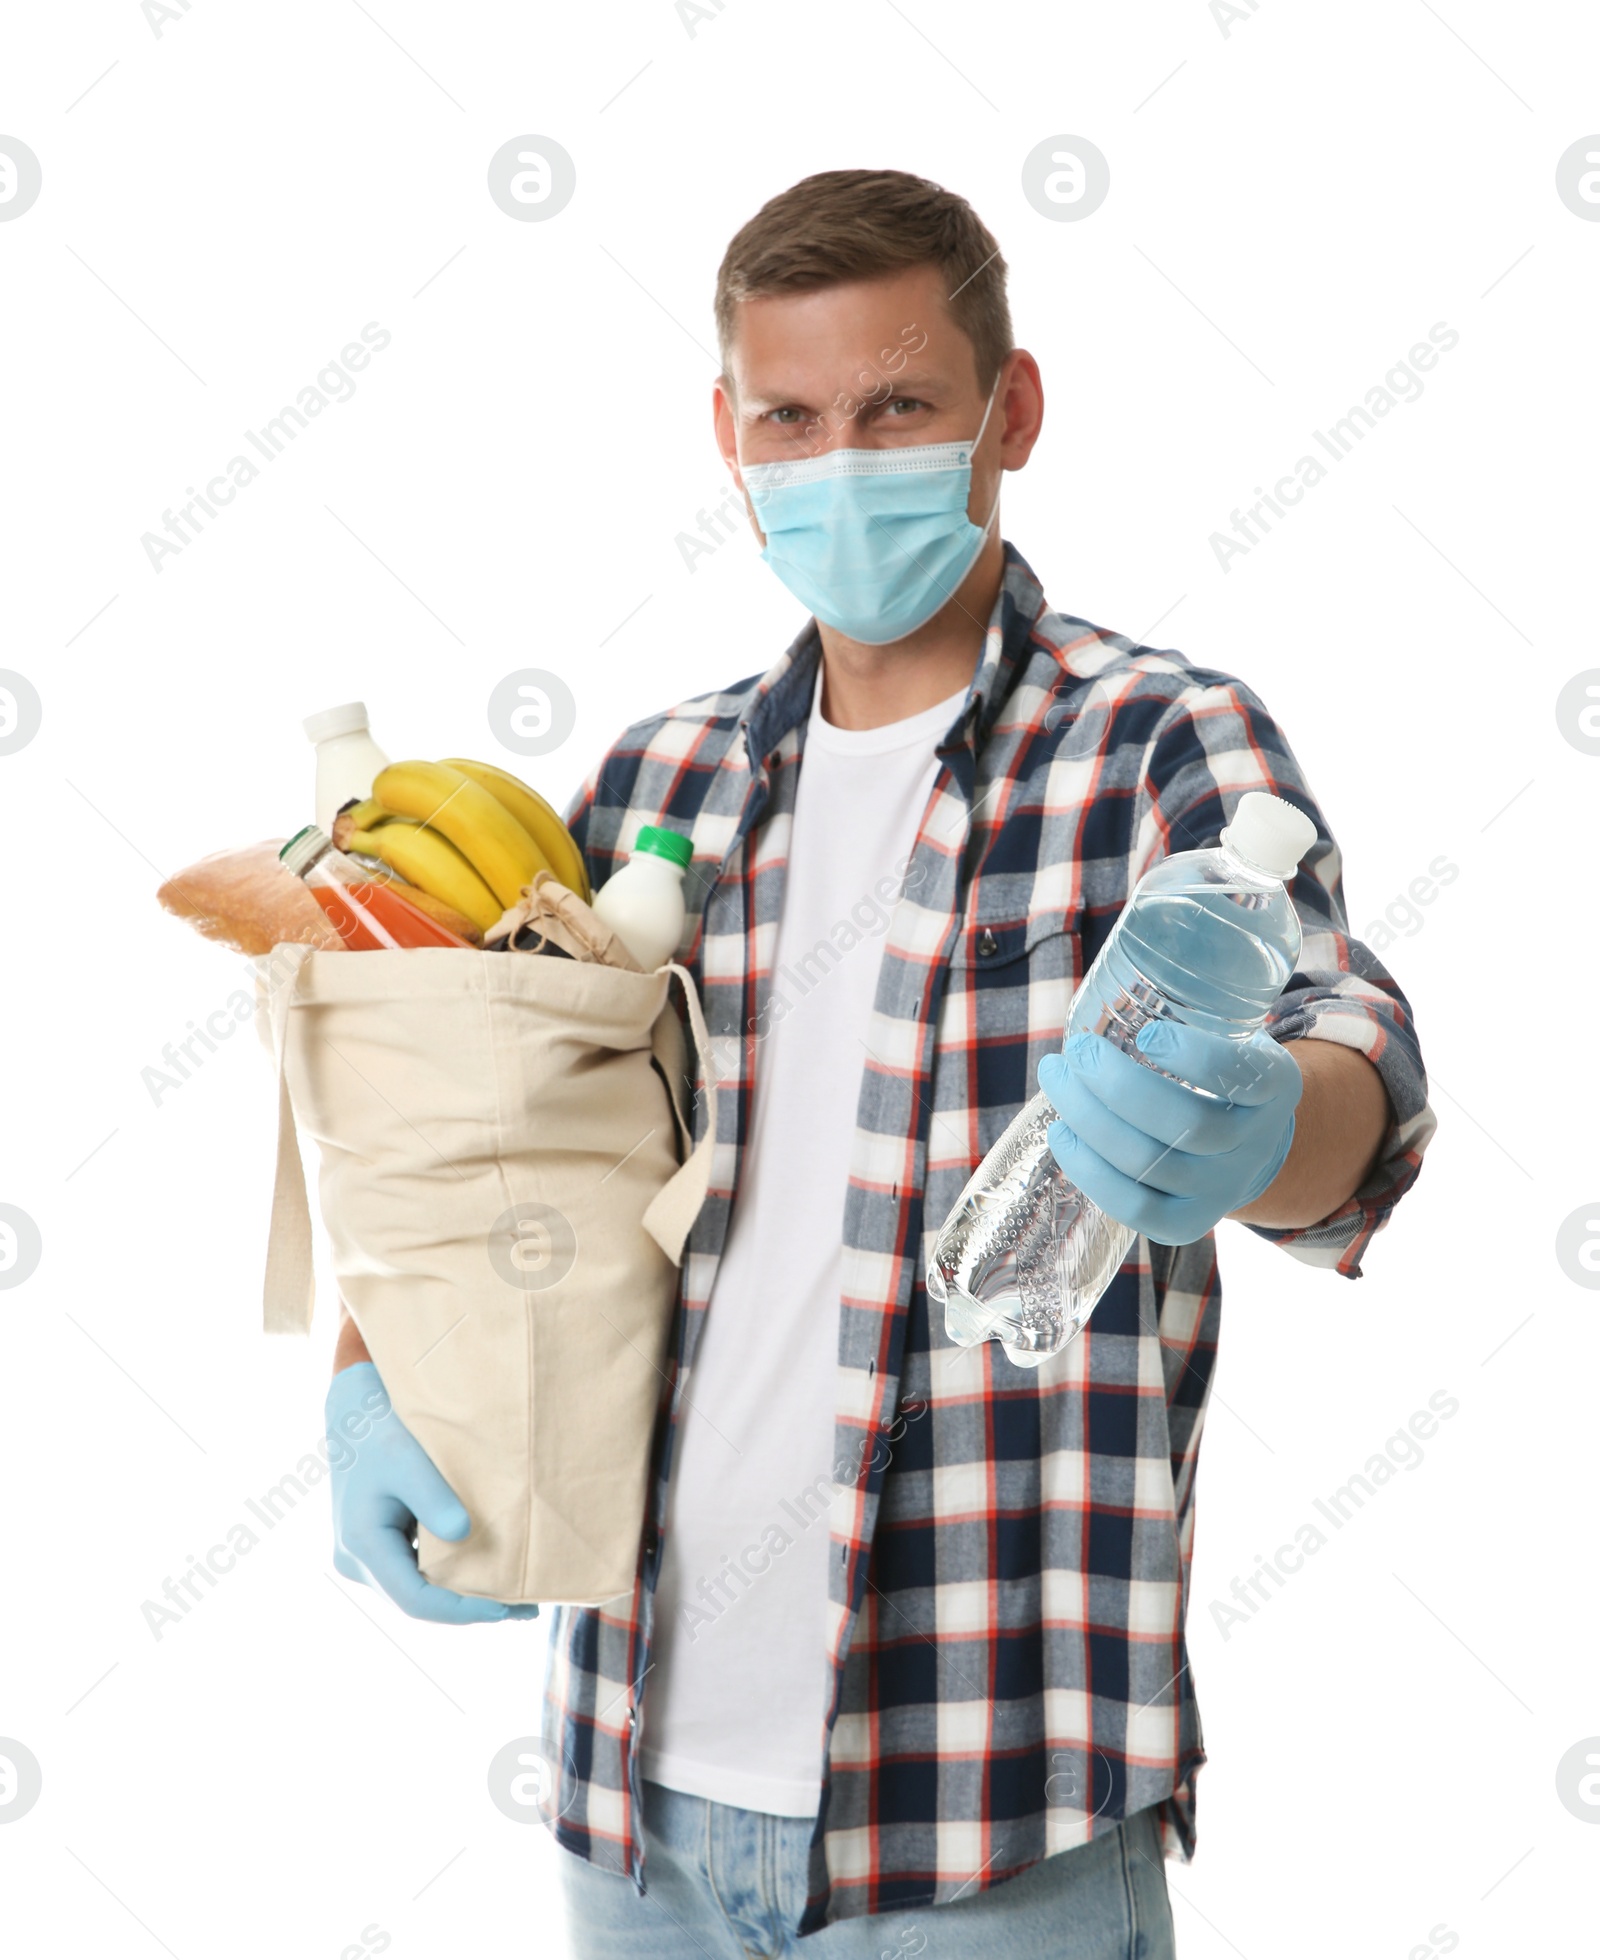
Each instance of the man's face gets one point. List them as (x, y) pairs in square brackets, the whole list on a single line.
[(870, 365)]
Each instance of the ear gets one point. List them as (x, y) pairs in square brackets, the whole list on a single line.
[(723, 412), (1019, 408)]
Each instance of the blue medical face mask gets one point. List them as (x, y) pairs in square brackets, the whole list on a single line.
[(873, 541)]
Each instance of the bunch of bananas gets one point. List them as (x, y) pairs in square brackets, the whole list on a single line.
[(465, 834)]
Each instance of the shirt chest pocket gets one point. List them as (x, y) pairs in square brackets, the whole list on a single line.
[(1011, 983)]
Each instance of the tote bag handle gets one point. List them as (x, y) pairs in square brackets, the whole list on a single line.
[(672, 1211), (290, 1284)]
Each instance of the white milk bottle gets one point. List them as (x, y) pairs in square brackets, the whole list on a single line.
[(643, 902), (347, 759)]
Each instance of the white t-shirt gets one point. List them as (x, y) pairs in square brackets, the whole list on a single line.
[(733, 1707)]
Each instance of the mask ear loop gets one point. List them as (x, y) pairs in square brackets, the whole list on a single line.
[(741, 486), (988, 408), (972, 453)]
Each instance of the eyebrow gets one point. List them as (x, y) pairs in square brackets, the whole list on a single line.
[(906, 381)]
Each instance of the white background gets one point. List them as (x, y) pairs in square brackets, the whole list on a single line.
[(1293, 204)]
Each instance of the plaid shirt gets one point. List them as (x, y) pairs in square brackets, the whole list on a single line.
[(1007, 1673)]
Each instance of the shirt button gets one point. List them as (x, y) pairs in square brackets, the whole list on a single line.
[(986, 945), (652, 1542)]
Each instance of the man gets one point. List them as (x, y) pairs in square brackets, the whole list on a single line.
[(905, 1660)]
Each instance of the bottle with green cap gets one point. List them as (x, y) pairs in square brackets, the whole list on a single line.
[(643, 902)]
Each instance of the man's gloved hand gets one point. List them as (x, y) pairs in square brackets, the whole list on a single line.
[(384, 1483), (1154, 1154)]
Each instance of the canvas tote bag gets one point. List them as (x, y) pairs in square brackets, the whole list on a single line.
[(507, 1182)]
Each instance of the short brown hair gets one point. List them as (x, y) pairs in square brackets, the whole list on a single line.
[(841, 225)]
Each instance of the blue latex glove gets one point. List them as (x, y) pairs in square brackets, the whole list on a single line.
[(1154, 1154), (384, 1482)]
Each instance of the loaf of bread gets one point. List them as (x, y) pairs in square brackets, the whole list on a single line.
[(246, 900)]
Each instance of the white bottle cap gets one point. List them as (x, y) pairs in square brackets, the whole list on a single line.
[(1269, 832), (348, 719)]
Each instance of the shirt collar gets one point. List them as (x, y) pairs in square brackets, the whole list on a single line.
[(781, 701)]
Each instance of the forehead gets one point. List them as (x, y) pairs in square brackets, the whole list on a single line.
[(814, 343)]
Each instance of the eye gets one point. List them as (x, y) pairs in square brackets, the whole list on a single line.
[(902, 401), (782, 416)]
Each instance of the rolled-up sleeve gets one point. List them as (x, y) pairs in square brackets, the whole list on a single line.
[(1213, 744)]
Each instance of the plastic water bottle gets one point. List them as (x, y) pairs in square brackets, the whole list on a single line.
[(1208, 938), (643, 902)]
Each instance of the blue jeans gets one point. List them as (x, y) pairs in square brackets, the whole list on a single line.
[(726, 1884)]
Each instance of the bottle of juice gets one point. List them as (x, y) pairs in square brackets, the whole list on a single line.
[(643, 902), (368, 917), (347, 759)]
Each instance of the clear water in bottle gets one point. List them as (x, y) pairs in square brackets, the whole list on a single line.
[(1209, 938)]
